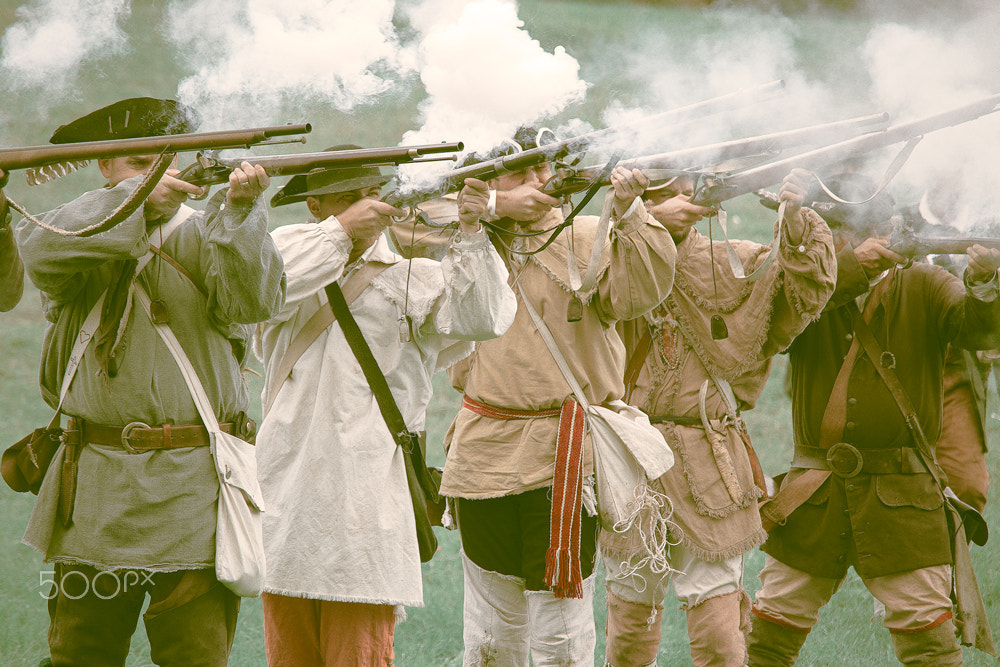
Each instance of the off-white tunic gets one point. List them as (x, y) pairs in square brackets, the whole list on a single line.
[(339, 523)]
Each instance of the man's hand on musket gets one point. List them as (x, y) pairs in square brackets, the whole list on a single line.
[(524, 203), (246, 183), (472, 202), (167, 196), (670, 205), (628, 184), (4, 176), (983, 263), (875, 257), (793, 193), (365, 219)]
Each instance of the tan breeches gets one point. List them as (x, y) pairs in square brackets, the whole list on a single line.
[(915, 600)]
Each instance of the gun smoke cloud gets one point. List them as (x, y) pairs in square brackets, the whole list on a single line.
[(51, 39), (484, 73), (919, 71), (474, 70), (254, 59)]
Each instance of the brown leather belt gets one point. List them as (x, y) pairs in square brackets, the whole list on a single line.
[(139, 437), (846, 460)]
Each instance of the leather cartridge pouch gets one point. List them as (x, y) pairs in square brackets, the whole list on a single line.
[(24, 463)]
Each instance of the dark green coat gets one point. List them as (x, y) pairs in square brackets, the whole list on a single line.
[(880, 524)]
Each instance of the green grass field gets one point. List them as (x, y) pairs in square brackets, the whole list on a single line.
[(601, 36)]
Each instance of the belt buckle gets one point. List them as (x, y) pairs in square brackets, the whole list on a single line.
[(127, 433), (835, 458)]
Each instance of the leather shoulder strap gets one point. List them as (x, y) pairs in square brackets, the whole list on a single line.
[(898, 392), (776, 511), (408, 441), (317, 324)]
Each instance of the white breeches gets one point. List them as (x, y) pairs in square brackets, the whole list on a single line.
[(504, 623)]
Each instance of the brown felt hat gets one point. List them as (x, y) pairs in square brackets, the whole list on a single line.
[(329, 181), (133, 118)]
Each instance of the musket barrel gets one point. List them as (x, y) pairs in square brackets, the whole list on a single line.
[(210, 170), (912, 245), (277, 165), (557, 150), (756, 178), (701, 156), (727, 102), (37, 156)]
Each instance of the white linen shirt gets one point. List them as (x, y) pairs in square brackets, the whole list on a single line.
[(339, 523)]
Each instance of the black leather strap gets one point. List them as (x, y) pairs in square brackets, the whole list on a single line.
[(408, 440)]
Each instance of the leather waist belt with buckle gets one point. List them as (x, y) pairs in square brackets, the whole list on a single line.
[(139, 437), (846, 460)]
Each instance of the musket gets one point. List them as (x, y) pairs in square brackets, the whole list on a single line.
[(568, 180), (908, 243), (719, 187), (210, 169), (554, 151), (44, 163)]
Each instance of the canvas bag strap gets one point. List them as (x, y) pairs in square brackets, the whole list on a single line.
[(317, 324), (190, 376)]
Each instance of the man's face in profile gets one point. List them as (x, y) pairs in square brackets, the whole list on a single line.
[(535, 176)]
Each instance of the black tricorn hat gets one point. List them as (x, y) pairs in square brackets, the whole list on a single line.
[(133, 118), (329, 181)]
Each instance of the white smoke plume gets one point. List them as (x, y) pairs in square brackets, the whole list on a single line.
[(255, 58), (485, 74), (474, 70), (917, 71), (51, 39)]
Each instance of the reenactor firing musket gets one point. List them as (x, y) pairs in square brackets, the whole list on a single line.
[(719, 187), (555, 151), (45, 163), (568, 180)]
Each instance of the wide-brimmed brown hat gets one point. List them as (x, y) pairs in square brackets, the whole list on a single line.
[(329, 181), (133, 118)]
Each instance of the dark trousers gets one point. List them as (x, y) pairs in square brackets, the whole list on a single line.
[(510, 535), (190, 621)]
